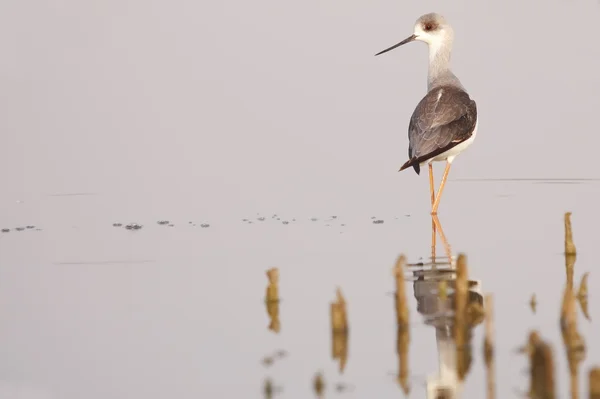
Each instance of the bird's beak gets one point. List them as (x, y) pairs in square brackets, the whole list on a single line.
[(407, 40)]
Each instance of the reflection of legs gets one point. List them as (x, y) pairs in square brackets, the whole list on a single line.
[(439, 194), (432, 190), (443, 237)]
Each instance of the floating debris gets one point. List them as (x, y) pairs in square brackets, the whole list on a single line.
[(117, 224), (20, 228), (269, 389), (260, 219), (319, 385), (171, 225), (342, 387), (313, 219), (163, 222), (378, 221), (268, 360), (205, 225), (334, 217), (272, 299), (278, 355), (30, 227), (285, 222), (533, 303), (339, 330), (5, 230), (133, 226)]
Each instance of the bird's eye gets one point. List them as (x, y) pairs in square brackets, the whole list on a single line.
[(428, 27)]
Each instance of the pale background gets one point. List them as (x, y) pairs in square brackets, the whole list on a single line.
[(213, 112)]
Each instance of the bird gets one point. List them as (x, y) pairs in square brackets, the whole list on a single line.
[(444, 123)]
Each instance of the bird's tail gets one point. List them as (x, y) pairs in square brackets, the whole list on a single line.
[(414, 162)]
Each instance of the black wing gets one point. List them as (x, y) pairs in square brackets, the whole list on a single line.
[(444, 118)]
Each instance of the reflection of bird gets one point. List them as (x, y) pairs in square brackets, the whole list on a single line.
[(437, 309), (444, 123)]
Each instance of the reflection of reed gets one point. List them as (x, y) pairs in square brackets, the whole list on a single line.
[(339, 330), (272, 299), (572, 339), (488, 348), (402, 318)]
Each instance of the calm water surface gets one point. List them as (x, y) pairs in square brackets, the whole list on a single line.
[(92, 310)]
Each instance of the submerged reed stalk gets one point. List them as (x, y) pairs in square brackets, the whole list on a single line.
[(401, 302), (268, 389), (319, 385), (594, 383), (402, 317), (488, 347), (339, 330), (460, 329), (569, 245), (272, 299), (582, 295), (541, 368), (572, 339)]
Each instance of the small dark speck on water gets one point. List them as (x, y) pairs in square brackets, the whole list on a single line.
[(334, 217), (19, 228), (5, 230), (243, 220), (407, 216), (314, 219), (285, 222), (378, 221), (171, 225), (30, 227), (372, 217), (204, 225), (342, 225), (278, 218), (163, 222), (274, 216), (117, 224), (262, 218), (293, 220), (133, 226)]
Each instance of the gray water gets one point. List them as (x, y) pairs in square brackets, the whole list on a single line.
[(198, 113)]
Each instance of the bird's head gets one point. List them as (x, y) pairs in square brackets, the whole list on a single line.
[(430, 28)]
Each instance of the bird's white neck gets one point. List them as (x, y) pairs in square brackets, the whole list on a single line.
[(439, 66)]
